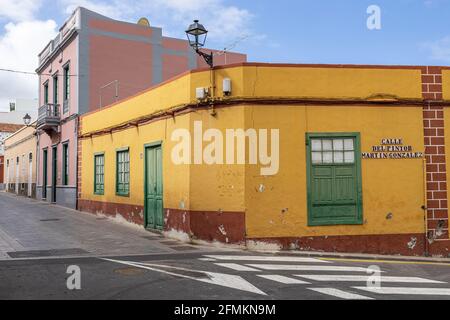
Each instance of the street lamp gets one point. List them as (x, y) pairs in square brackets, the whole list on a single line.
[(196, 34), (27, 119)]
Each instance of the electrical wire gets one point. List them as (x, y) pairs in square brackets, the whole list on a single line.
[(35, 74)]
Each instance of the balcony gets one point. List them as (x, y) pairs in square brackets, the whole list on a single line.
[(49, 117)]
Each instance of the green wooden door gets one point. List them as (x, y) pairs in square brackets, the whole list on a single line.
[(334, 179), (44, 174), (153, 188)]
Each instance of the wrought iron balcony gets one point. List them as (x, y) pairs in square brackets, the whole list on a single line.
[(49, 117)]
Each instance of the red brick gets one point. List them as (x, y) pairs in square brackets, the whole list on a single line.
[(442, 168), (430, 132), (429, 114), (437, 79), (440, 114), (428, 96), (438, 96), (424, 88), (433, 224), (436, 123), (432, 168), (438, 159), (440, 214), (431, 150), (440, 132), (440, 195), (427, 79), (441, 150), (426, 123), (439, 177), (434, 70), (433, 186), (442, 186), (435, 88), (433, 204), (444, 204), (437, 141)]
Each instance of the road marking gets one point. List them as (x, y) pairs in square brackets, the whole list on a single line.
[(283, 279), (387, 261), (345, 278), (408, 291), (236, 267), (220, 279), (206, 259), (340, 294), (267, 258), (306, 268)]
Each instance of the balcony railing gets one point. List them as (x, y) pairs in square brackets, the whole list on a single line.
[(49, 117)]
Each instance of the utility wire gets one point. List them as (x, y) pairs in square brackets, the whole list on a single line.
[(35, 74)]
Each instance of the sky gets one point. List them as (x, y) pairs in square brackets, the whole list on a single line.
[(413, 32)]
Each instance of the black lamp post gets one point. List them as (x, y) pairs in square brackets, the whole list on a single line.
[(27, 119), (197, 34)]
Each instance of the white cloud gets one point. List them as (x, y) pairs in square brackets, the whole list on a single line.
[(440, 49), (19, 47), (19, 10)]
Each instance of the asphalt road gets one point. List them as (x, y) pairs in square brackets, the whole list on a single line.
[(139, 265)]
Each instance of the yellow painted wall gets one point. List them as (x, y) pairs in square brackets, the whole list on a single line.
[(446, 84), (389, 186), (21, 144)]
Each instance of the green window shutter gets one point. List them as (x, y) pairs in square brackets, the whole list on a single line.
[(334, 179), (65, 165), (123, 173), (99, 174)]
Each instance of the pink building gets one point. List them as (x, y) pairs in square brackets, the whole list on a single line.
[(93, 62)]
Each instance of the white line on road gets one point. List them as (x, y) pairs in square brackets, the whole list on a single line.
[(345, 278), (267, 258), (220, 279), (283, 279), (340, 294), (236, 267), (408, 291), (287, 267)]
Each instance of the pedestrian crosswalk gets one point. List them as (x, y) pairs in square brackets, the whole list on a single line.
[(341, 280)]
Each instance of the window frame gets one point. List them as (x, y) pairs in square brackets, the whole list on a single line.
[(357, 220), (118, 152), (65, 164), (46, 92), (97, 192), (66, 89), (55, 89)]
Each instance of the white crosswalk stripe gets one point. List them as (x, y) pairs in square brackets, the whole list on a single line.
[(236, 267), (292, 267), (407, 291), (283, 279), (352, 278), (268, 259), (340, 294)]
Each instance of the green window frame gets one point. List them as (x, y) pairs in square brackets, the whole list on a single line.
[(99, 173), (123, 172), (46, 93), (65, 164), (334, 152), (55, 89), (66, 92)]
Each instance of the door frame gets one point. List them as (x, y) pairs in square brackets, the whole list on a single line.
[(151, 146), (44, 172), (54, 171), (359, 198)]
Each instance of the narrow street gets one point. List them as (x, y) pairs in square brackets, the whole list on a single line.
[(39, 242)]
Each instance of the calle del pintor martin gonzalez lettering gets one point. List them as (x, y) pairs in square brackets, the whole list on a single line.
[(392, 149)]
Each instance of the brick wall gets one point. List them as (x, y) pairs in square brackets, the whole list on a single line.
[(434, 134), (79, 169)]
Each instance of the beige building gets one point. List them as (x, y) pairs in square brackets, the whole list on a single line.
[(20, 162)]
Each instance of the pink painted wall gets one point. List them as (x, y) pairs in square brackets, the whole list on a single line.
[(130, 62)]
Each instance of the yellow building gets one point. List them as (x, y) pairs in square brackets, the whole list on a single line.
[(20, 163), (310, 157)]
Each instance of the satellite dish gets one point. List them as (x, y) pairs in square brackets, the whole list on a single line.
[(144, 22)]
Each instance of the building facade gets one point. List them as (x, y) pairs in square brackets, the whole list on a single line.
[(93, 62), (20, 159), (6, 129), (360, 163)]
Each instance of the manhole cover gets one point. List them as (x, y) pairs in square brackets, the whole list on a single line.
[(46, 253), (130, 271)]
